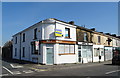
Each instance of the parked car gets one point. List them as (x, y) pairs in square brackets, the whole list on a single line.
[(116, 59)]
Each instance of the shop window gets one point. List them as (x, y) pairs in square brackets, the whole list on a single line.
[(102, 51), (67, 32), (61, 48), (84, 51), (72, 48), (23, 37), (96, 52), (66, 49)]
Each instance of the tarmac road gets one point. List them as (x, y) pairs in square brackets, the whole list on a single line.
[(88, 70)]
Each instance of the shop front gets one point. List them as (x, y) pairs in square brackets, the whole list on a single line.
[(98, 53), (85, 52), (108, 53), (55, 52)]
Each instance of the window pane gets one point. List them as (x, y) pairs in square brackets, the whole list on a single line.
[(102, 51), (85, 37), (15, 40), (66, 32), (98, 39), (23, 37), (72, 50), (23, 51), (96, 52), (35, 33), (66, 48), (61, 48), (84, 51)]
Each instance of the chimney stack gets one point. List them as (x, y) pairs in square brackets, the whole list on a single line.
[(71, 22), (107, 33), (93, 29), (114, 35)]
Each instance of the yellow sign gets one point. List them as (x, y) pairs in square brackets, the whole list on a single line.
[(58, 33)]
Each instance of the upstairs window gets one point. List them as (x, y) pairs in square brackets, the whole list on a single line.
[(35, 33), (99, 39), (15, 40), (23, 37), (67, 32), (85, 36)]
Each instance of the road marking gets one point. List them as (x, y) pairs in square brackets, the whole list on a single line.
[(16, 66), (38, 70), (8, 70), (112, 71), (27, 71), (16, 72), (4, 75)]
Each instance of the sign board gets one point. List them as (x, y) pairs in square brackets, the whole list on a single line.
[(58, 33), (37, 45)]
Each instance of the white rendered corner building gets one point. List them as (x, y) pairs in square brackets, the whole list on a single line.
[(48, 42)]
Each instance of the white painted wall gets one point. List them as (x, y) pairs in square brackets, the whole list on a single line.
[(29, 36), (62, 26), (16, 46), (46, 32)]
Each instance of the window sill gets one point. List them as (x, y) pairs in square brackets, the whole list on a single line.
[(35, 54), (67, 54), (68, 38), (35, 39)]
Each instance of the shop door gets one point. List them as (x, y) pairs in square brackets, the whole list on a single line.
[(108, 53), (49, 55), (89, 53)]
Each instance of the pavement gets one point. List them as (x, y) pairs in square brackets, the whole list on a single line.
[(39, 67)]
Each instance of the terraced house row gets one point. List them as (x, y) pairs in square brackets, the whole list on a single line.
[(53, 41)]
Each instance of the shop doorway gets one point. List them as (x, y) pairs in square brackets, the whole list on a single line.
[(49, 56)]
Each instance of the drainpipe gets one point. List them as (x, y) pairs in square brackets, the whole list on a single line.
[(54, 50)]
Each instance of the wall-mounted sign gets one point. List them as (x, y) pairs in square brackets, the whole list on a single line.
[(37, 45), (58, 32)]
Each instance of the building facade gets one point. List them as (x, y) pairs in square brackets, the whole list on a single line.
[(52, 41), (85, 45), (48, 42)]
